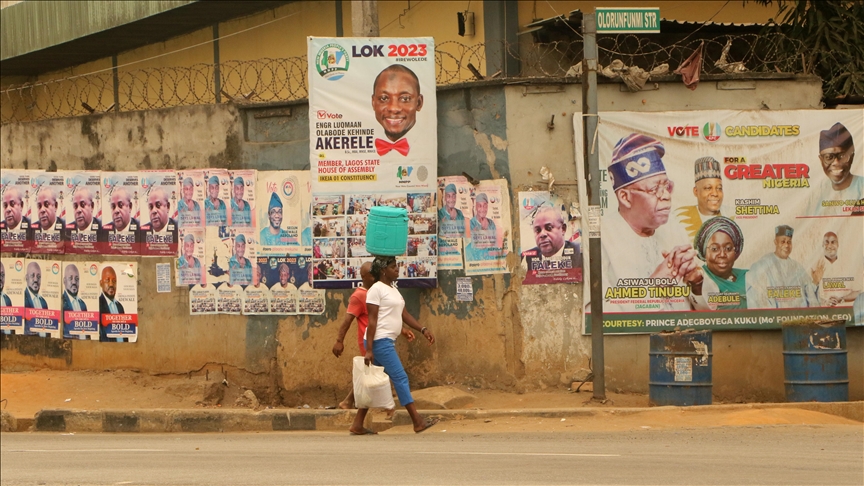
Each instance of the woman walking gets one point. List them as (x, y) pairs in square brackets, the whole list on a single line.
[(386, 309)]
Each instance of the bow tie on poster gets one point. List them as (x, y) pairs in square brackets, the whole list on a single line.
[(384, 147)]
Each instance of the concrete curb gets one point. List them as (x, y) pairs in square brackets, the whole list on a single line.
[(209, 420)]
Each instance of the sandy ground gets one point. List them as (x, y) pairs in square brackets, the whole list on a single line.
[(25, 393)]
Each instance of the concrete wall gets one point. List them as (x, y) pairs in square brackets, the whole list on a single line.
[(511, 337)]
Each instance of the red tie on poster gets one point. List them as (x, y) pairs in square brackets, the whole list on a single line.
[(384, 147)]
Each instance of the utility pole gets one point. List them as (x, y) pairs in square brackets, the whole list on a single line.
[(592, 169), (364, 18)]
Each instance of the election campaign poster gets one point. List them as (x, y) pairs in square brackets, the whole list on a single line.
[(121, 205), (229, 299), (218, 193), (80, 300), (488, 231), (48, 226), (118, 302), (284, 196), (281, 275), (190, 208), (83, 203), (13, 284), (454, 199), (218, 247), (17, 210), (256, 298), (551, 240), (202, 300), (42, 298), (242, 212), (159, 215), (730, 219), (373, 142), (191, 266), (243, 251)]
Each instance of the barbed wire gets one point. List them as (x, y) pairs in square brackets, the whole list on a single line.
[(285, 79)]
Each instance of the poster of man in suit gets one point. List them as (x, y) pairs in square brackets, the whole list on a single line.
[(118, 302), (80, 300), (42, 299), (12, 288)]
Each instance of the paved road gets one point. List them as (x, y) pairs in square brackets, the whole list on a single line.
[(729, 455)]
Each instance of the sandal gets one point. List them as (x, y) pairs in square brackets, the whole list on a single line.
[(365, 432), (429, 422)]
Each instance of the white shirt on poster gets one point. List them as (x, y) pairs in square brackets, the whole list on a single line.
[(390, 305)]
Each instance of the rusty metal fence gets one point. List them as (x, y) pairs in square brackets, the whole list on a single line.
[(285, 79)]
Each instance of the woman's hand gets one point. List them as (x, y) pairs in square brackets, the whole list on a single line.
[(428, 335), (408, 334)]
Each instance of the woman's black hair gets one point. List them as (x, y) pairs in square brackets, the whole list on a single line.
[(379, 264)]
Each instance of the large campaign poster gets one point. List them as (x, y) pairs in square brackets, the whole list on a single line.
[(730, 219), (280, 275), (118, 302), (218, 194), (242, 206), (17, 210), (551, 240), (42, 298), (193, 190), (80, 300), (284, 196), (487, 242), (84, 233), (159, 215), (202, 300), (454, 199), (373, 142), (121, 207), (48, 224), (191, 266), (13, 285)]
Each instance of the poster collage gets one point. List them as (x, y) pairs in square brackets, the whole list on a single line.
[(730, 219)]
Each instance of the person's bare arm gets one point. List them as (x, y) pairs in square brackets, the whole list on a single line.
[(343, 329), (372, 309), (408, 319)]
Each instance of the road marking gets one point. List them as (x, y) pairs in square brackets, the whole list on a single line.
[(522, 454), (90, 450)]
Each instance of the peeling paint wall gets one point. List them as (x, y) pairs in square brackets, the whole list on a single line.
[(511, 337)]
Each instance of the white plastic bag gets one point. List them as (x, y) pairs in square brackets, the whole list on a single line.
[(371, 386)]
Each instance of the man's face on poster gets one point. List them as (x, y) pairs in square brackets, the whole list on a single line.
[(480, 209), (238, 192), (837, 163), (46, 206), (275, 215), (188, 191), (651, 200), (189, 249), (549, 230), (12, 206), (709, 195), (284, 275), (450, 200), (71, 280), (213, 191), (158, 205), (121, 209), (782, 246), (396, 99), (109, 282), (256, 275), (2, 276), (82, 205), (34, 277), (239, 248), (830, 244)]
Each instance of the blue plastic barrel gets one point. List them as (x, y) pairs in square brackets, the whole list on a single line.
[(680, 368), (815, 363), (387, 231)]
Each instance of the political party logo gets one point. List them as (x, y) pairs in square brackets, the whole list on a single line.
[(19, 265), (404, 172), (55, 268), (301, 262), (289, 185), (93, 270), (711, 131), (528, 204), (331, 62), (493, 200)]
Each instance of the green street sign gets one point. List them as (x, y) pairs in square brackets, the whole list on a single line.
[(623, 20)]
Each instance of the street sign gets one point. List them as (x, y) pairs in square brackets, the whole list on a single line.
[(624, 20)]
